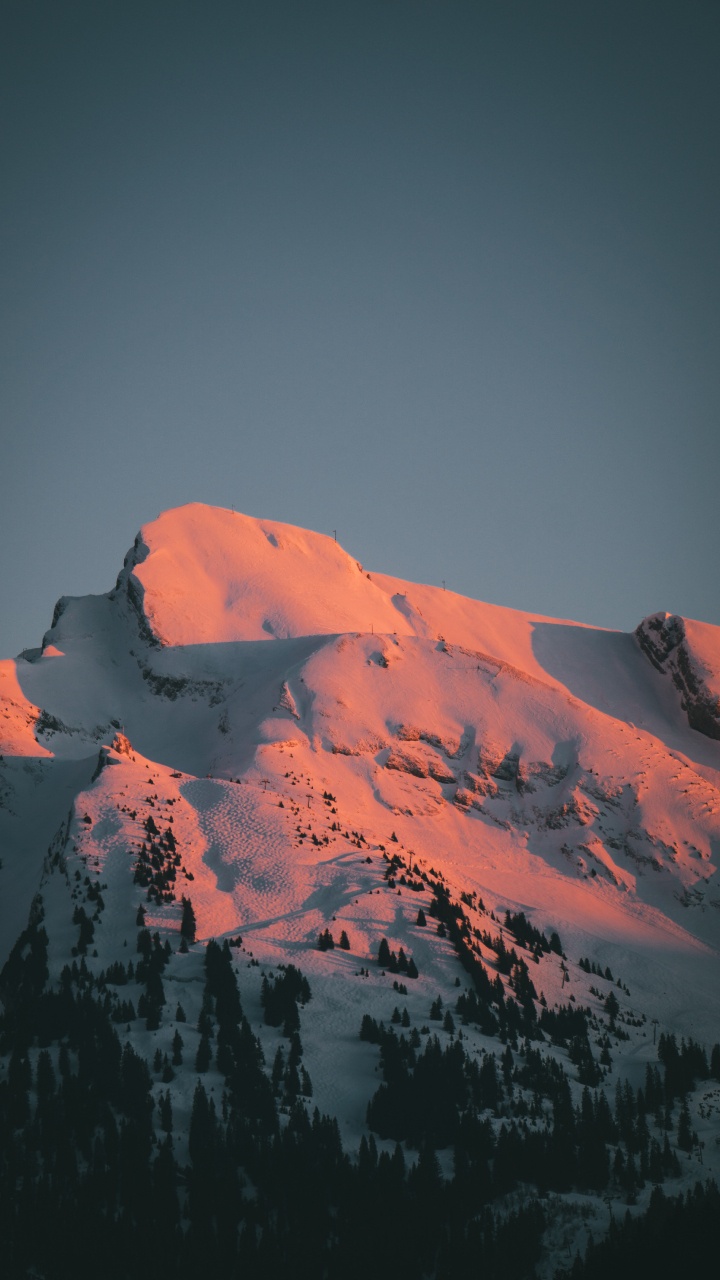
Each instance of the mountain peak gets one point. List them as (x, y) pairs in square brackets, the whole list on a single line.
[(208, 575)]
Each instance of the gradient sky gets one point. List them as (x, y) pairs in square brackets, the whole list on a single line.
[(441, 276)]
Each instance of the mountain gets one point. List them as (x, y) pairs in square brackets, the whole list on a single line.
[(253, 732)]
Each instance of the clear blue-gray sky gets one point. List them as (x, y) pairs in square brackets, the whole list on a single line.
[(442, 276)]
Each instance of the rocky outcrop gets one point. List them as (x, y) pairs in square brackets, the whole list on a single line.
[(663, 639)]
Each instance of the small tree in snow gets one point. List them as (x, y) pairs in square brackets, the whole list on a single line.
[(188, 924)]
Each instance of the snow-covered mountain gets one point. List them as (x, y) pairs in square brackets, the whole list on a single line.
[(252, 721)]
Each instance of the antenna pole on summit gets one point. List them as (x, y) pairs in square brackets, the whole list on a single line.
[(335, 534)]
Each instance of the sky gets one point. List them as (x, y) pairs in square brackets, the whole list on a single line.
[(439, 275)]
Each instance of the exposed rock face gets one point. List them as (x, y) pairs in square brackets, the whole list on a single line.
[(664, 639), (122, 745)]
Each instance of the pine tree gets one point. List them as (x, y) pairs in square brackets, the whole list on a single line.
[(177, 1047), (204, 1054), (421, 918), (188, 924), (684, 1131), (44, 1076), (384, 954), (166, 1115), (292, 1019), (344, 941), (278, 1070), (612, 1007)]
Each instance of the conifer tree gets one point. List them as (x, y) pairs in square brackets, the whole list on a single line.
[(684, 1131), (204, 1054), (177, 1047), (188, 924)]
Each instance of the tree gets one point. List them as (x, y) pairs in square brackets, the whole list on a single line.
[(177, 1047), (344, 941), (204, 1054), (684, 1131), (384, 954), (45, 1076), (292, 1019), (612, 1007), (326, 942), (166, 1115), (144, 944), (278, 1070), (421, 918), (188, 923)]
